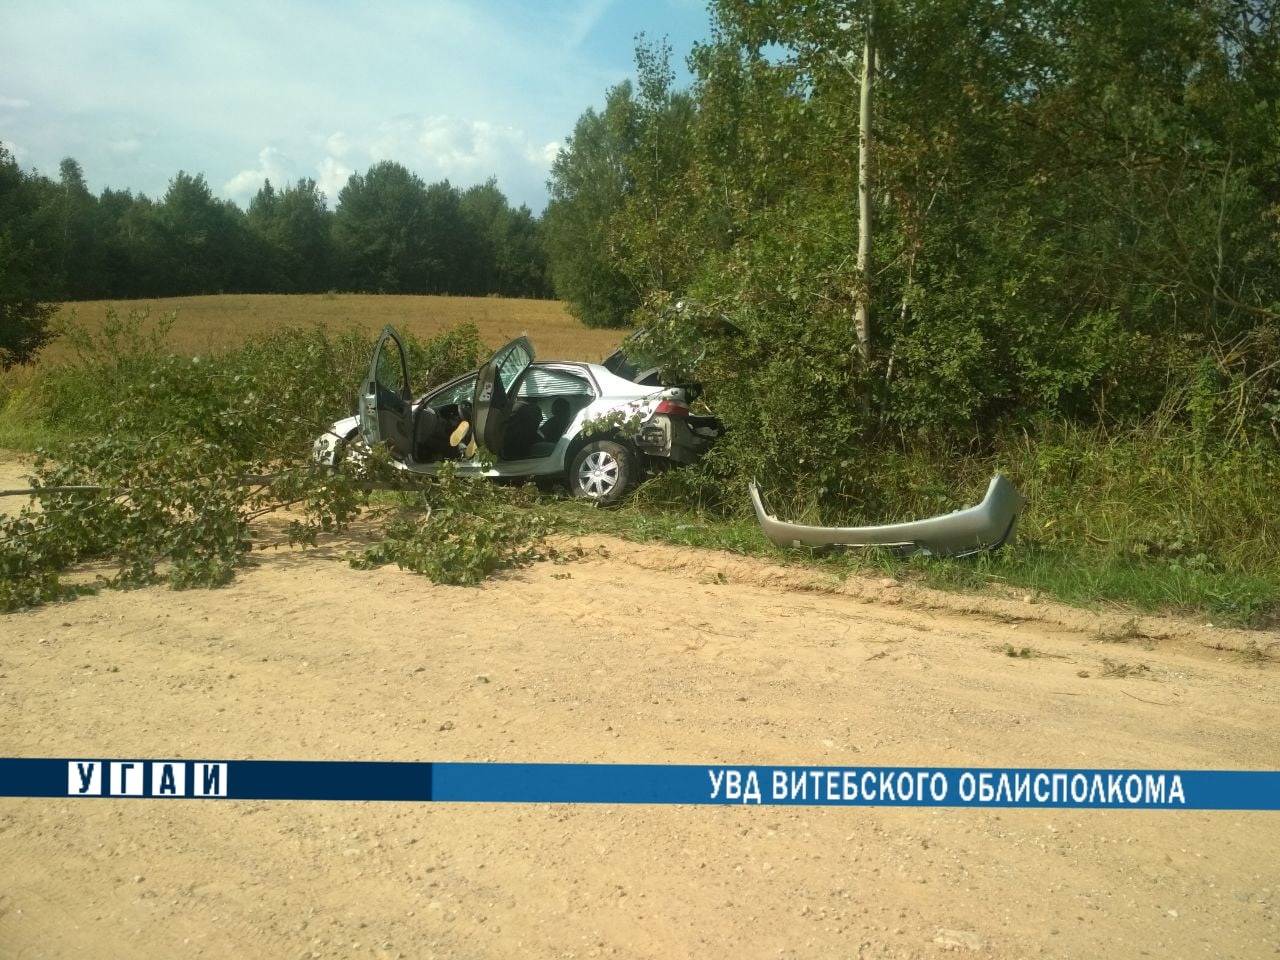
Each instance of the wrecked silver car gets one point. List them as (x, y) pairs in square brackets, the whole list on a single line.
[(547, 420), (987, 526)]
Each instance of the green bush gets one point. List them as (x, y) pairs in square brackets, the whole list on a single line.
[(269, 398), (469, 528), (174, 441)]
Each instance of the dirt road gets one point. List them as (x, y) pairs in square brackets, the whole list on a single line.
[(636, 654)]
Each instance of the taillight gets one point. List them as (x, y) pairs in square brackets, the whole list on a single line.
[(673, 408)]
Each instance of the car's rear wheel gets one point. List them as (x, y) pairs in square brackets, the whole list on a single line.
[(603, 472)]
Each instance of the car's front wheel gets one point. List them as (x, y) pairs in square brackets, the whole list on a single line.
[(603, 472)]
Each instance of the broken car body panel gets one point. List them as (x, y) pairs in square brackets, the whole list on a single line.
[(987, 526)]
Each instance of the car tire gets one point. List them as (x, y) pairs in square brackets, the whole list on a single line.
[(602, 472)]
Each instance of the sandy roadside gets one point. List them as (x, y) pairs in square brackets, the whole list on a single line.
[(635, 654)]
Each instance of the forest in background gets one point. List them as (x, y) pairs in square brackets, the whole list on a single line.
[(389, 233)]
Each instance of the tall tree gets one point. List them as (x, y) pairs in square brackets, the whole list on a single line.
[(115, 272), (445, 240), (862, 319), (589, 181), (204, 249), (521, 257), (294, 227), (483, 208), (380, 230), (304, 228), (25, 270), (505, 255), (657, 233), (77, 241)]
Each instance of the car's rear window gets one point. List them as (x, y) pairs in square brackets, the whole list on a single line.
[(553, 383), (618, 364)]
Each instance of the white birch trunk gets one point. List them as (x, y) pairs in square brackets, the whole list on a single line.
[(862, 318)]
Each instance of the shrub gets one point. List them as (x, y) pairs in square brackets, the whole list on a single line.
[(174, 442)]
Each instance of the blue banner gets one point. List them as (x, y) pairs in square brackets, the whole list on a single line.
[(639, 783)]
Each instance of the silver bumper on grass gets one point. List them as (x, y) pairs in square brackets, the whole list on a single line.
[(987, 526)]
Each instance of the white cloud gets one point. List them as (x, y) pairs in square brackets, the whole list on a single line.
[(331, 177), (14, 103), (442, 147), (471, 149), (546, 155), (338, 145), (125, 145), (272, 165), (583, 20)]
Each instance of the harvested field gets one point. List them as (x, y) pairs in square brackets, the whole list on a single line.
[(213, 323)]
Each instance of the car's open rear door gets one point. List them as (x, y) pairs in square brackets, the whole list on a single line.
[(386, 405), (491, 403)]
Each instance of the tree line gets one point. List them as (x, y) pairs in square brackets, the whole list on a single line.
[(390, 233)]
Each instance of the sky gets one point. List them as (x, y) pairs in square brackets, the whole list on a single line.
[(136, 90)]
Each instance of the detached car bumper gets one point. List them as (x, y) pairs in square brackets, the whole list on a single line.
[(987, 526)]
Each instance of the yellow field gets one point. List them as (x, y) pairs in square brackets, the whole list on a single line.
[(210, 324)]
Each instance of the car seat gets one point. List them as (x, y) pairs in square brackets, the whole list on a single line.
[(521, 431), (429, 435), (554, 426)]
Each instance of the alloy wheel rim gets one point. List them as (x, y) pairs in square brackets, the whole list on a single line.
[(598, 474)]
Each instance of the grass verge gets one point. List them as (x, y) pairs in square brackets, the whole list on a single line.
[(1026, 568)]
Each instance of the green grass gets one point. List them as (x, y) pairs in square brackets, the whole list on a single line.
[(645, 524), (1092, 582), (22, 425)]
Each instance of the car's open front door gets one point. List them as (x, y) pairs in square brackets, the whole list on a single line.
[(491, 403), (386, 405)]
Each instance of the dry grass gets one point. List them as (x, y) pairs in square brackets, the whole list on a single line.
[(1117, 668), (213, 323)]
